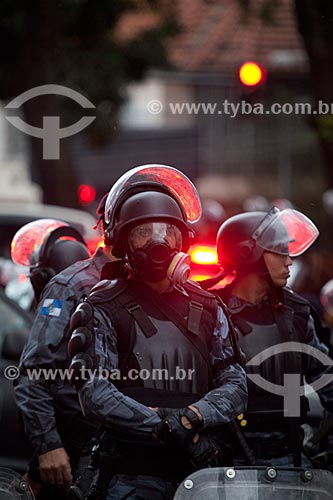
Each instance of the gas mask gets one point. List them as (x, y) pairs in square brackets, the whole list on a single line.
[(154, 253)]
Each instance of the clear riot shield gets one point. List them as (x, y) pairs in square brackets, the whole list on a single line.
[(256, 483), (13, 486)]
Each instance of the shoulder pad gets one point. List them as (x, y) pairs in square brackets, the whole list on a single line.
[(102, 286), (222, 293), (71, 272), (107, 290), (294, 298), (192, 286)]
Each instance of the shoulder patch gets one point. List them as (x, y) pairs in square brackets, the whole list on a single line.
[(51, 307)]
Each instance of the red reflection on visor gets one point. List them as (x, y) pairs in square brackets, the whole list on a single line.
[(30, 237)]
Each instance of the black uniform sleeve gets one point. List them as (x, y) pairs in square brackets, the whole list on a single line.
[(45, 351)]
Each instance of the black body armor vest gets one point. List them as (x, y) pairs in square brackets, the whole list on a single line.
[(164, 337), (262, 326)]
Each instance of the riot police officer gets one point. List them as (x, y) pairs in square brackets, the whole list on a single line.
[(165, 337), (258, 247), (52, 416), (47, 246)]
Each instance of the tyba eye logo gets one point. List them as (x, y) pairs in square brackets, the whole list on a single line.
[(291, 390), (51, 133)]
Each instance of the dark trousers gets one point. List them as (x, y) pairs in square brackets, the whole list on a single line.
[(130, 487)]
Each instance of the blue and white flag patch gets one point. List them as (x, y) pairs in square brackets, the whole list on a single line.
[(51, 307)]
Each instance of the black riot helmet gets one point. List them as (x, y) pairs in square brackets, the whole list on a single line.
[(47, 246), (149, 178), (165, 202), (144, 207), (242, 239)]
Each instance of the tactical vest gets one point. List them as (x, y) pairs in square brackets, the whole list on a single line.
[(167, 331), (263, 326), (163, 337)]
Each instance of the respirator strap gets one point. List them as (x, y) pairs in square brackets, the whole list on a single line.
[(194, 317), (144, 322)]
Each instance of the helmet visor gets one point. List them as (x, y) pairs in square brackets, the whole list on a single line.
[(30, 237), (287, 232), (160, 232), (162, 175)]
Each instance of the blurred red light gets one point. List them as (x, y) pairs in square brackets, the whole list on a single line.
[(87, 194), (94, 244), (203, 254)]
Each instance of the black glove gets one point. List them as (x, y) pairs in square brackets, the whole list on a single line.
[(190, 414), (171, 431), (204, 452)]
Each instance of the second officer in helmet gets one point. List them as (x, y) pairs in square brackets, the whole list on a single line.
[(276, 329), (166, 341)]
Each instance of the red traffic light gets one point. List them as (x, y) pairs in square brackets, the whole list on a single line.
[(251, 74), (87, 194)]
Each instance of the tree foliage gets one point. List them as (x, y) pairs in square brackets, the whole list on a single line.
[(314, 19), (315, 23), (73, 43)]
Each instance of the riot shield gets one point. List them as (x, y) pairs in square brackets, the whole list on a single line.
[(256, 483), (13, 486)]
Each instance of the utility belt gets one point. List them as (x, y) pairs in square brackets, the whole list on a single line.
[(149, 458), (286, 441), (171, 464), (119, 455), (265, 422), (268, 421), (142, 456), (113, 457)]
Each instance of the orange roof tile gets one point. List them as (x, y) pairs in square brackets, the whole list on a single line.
[(216, 38)]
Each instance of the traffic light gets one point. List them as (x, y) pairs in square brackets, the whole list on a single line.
[(252, 76), (86, 194)]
